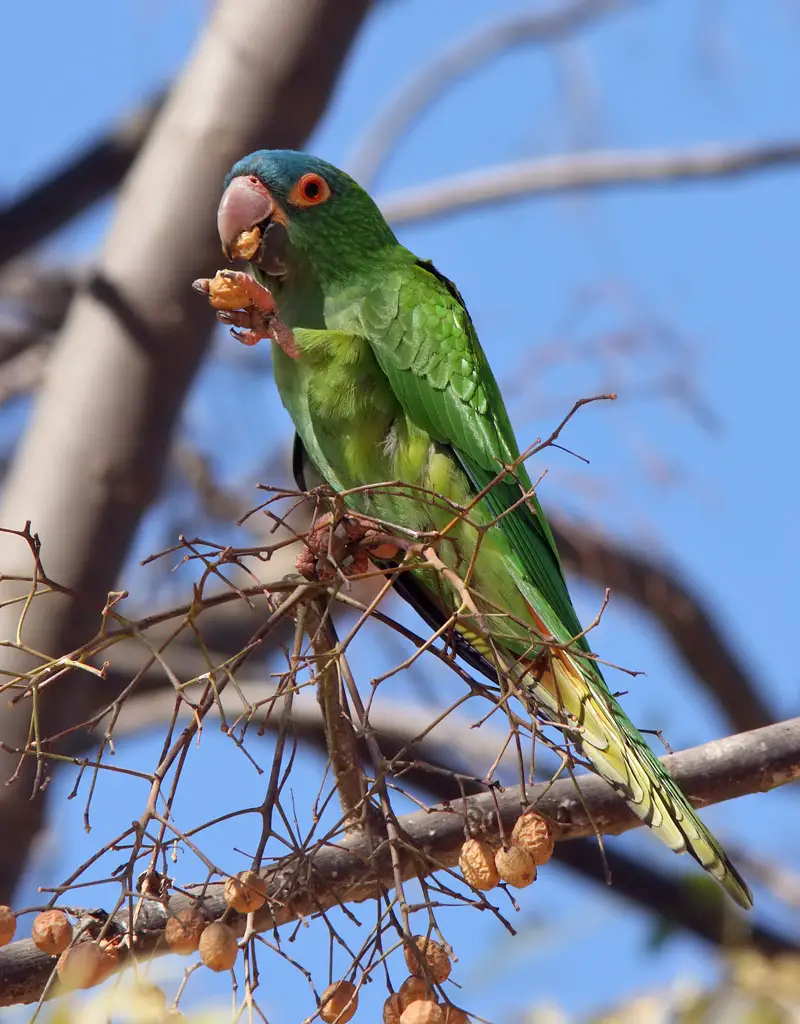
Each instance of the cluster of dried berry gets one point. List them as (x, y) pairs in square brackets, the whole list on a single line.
[(484, 864)]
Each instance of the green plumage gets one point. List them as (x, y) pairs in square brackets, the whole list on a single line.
[(391, 384)]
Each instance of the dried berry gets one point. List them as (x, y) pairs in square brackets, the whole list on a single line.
[(423, 1011), (246, 892), (533, 833), (218, 946), (411, 990), (183, 931), (82, 966), (515, 866), (338, 1002), (434, 956), (452, 1015), (8, 925), (392, 1009), (477, 864), (51, 931)]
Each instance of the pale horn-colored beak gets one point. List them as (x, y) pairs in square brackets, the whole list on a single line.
[(245, 203)]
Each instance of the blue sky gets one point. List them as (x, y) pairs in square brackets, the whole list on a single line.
[(704, 275)]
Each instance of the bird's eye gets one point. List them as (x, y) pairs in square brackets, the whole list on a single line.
[(310, 190)]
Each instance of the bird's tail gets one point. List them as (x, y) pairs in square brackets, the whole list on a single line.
[(570, 688)]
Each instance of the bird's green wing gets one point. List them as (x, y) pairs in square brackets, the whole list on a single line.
[(426, 345)]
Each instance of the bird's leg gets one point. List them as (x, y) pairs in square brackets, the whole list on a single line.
[(249, 307)]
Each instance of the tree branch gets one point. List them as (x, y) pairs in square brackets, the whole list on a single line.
[(306, 883), (579, 172)]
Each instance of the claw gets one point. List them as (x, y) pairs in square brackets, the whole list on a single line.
[(247, 337), (243, 302)]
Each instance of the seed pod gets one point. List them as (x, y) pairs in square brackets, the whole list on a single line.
[(51, 932), (533, 833), (452, 1015), (8, 925), (183, 931), (477, 864), (246, 892), (411, 990), (515, 866), (218, 946), (423, 1011), (82, 966), (339, 1002), (392, 1010), (433, 955)]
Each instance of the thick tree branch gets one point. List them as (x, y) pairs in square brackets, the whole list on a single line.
[(580, 172), (92, 458), (690, 625), (304, 884)]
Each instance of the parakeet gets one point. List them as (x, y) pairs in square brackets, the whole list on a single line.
[(379, 366)]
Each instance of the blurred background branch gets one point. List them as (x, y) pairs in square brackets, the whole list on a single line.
[(542, 176)]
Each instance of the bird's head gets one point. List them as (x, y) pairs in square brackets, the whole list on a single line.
[(282, 209)]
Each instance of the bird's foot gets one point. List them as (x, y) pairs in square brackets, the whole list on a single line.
[(332, 547), (248, 307), (341, 546)]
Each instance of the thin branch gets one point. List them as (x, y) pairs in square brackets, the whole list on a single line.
[(347, 872), (520, 29), (339, 732), (582, 171)]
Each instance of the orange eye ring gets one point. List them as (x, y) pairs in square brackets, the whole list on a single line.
[(310, 190)]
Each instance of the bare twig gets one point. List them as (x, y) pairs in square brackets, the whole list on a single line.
[(582, 171), (347, 872)]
